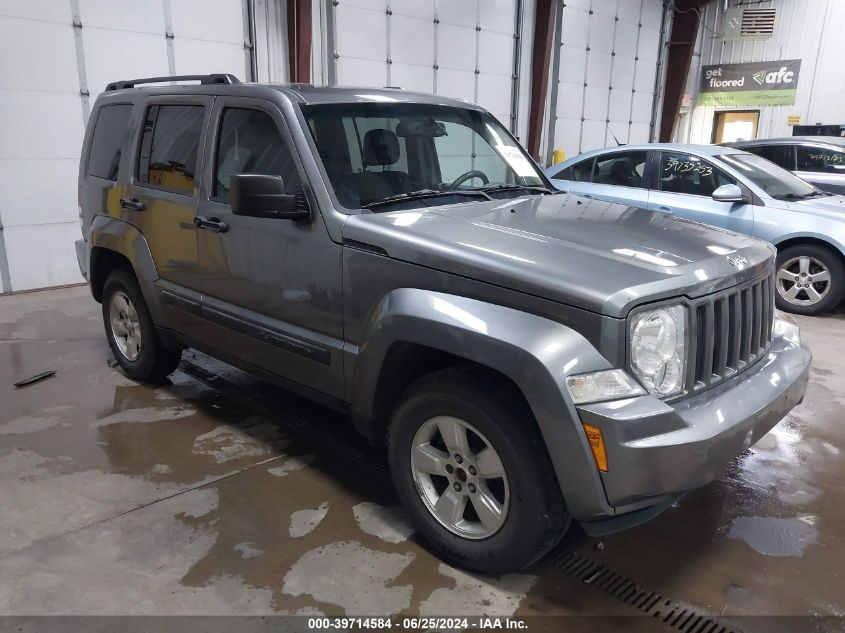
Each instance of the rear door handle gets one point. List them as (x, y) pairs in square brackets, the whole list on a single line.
[(131, 204), (667, 209), (212, 224)]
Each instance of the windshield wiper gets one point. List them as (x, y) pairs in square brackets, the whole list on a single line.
[(515, 187), (800, 196), (421, 194)]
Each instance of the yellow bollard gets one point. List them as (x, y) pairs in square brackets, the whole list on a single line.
[(558, 156)]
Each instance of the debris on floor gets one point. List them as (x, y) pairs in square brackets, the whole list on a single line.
[(23, 382)]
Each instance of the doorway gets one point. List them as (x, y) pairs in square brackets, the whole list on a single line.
[(735, 125)]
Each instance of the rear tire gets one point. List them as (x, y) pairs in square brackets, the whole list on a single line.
[(131, 333), (810, 279), (532, 516)]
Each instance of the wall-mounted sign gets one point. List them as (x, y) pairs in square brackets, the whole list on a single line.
[(754, 84), (793, 119)]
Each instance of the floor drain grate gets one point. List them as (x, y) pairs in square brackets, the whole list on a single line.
[(682, 617)]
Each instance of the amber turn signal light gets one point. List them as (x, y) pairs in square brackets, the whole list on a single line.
[(594, 437)]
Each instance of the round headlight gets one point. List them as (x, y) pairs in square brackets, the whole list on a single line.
[(658, 349)]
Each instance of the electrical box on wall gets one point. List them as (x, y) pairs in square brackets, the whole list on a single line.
[(749, 24)]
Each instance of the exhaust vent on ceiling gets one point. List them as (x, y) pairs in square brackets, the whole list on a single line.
[(757, 22)]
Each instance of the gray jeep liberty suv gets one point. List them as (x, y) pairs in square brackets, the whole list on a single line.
[(528, 358)]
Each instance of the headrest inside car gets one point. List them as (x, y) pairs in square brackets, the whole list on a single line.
[(381, 147)]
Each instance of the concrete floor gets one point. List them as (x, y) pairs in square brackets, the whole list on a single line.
[(218, 494)]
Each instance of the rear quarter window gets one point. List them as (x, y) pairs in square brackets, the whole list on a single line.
[(111, 133)]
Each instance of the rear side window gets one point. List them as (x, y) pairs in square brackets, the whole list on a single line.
[(821, 159), (623, 169), (250, 143), (169, 147), (111, 132), (583, 171), (563, 174), (778, 154)]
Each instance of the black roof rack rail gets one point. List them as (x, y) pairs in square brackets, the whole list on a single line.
[(220, 78)]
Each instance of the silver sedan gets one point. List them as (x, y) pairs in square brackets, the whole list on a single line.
[(735, 190)]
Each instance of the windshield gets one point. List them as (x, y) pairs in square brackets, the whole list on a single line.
[(375, 151), (774, 180)]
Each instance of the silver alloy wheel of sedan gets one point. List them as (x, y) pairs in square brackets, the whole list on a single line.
[(125, 326), (460, 477), (803, 280)]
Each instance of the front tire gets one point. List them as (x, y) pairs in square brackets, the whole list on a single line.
[(131, 332), (810, 279), (472, 471)]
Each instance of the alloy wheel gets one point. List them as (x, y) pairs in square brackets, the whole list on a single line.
[(125, 326), (803, 281), (460, 477)]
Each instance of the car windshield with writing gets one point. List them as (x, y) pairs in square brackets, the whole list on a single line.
[(380, 155), (774, 180)]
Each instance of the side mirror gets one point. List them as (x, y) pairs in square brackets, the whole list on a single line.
[(728, 193), (261, 196)]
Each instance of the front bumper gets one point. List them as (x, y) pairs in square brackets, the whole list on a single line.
[(658, 451), (82, 257)]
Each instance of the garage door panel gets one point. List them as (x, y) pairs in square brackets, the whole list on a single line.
[(598, 69), (352, 22), (45, 10), (456, 83), (644, 76), (461, 12), (626, 39), (629, 11), (652, 13), (113, 55), (570, 101), (620, 107), (642, 106), (639, 133), (595, 103), (410, 77), (619, 127), (497, 15), (128, 16), (455, 47), (567, 133), (649, 43), (494, 91), (573, 60), (606, 8), (574, 27), (193, 18), (39, 253), (195, 57), (41, 67), (593, 135), (495, 53), (411, 40), (601, 33), (414, 8), (622, 77), (54, 180), (40, 125), (361, 72)]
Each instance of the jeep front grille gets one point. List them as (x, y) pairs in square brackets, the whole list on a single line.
[(731, 330)]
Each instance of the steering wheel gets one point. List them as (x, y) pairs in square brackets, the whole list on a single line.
[(468, 175)]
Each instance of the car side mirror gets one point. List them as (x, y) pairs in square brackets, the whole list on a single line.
[(263, 196), (728, 193)]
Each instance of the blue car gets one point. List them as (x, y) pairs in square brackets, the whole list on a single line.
[(735, 190)]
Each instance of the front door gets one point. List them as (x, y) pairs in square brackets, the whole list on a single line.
[(684, 186), (271, 287)]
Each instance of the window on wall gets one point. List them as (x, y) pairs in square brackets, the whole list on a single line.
[(691, 175), (821, 159), (250, 143), (623, 169), (169, 147), (111, 132)]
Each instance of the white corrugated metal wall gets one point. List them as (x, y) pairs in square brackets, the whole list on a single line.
[(809, 30), (53, 52), (610, 52)]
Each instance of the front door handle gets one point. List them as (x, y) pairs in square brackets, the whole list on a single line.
[(666, 209), (131, 204), (212, 224)]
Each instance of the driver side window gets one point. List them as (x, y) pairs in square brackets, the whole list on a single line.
[(691, 175)]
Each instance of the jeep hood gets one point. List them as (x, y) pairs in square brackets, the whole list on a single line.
[(600, 256)]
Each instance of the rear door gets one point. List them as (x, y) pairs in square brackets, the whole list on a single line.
[(823, 166), (616, 176), (684, 184), (161, 198)]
